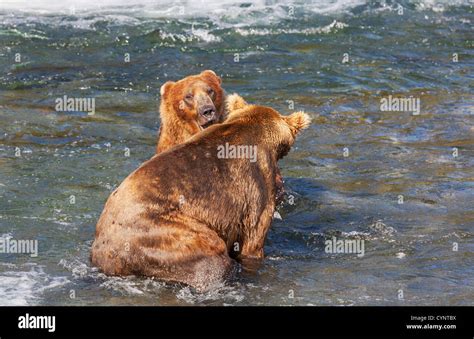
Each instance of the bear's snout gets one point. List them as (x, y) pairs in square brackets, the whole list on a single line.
[(207, 114)]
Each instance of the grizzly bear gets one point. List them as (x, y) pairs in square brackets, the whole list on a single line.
[(234, 102), (192, 104), (188, 106), (186, 214)]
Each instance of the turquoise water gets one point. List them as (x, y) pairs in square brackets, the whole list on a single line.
[(58, 168)]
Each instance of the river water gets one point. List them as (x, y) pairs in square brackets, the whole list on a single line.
[(401, 182)]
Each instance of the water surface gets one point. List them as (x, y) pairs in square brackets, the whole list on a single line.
[(289, 54)]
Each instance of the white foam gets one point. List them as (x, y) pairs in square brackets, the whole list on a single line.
[(332, 27), (205, 36), (400, 255), (180, 8), (77, 268), (131, 285), (25, 287), (199, 34), (355, 234), (439, 5), (162, 8), (124, 285), (127, 286), (222, 13), (6, 235), (223, 292)]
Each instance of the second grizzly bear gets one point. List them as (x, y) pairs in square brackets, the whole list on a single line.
[(188, 106)]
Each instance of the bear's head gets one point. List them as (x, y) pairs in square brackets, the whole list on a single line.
[(196, 98), (276, 131)]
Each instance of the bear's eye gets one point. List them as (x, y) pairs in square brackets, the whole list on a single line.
[(188, 96), (210, 91)]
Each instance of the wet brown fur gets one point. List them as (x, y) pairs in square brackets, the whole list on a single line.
[(178, 216)]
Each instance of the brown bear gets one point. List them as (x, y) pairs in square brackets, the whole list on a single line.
[(188, 106), (234, 102), (192, 104), (186, 214)]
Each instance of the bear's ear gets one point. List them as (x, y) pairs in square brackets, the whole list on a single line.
[(212, 74), (234, 102), (297, 122), (166, 87)]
